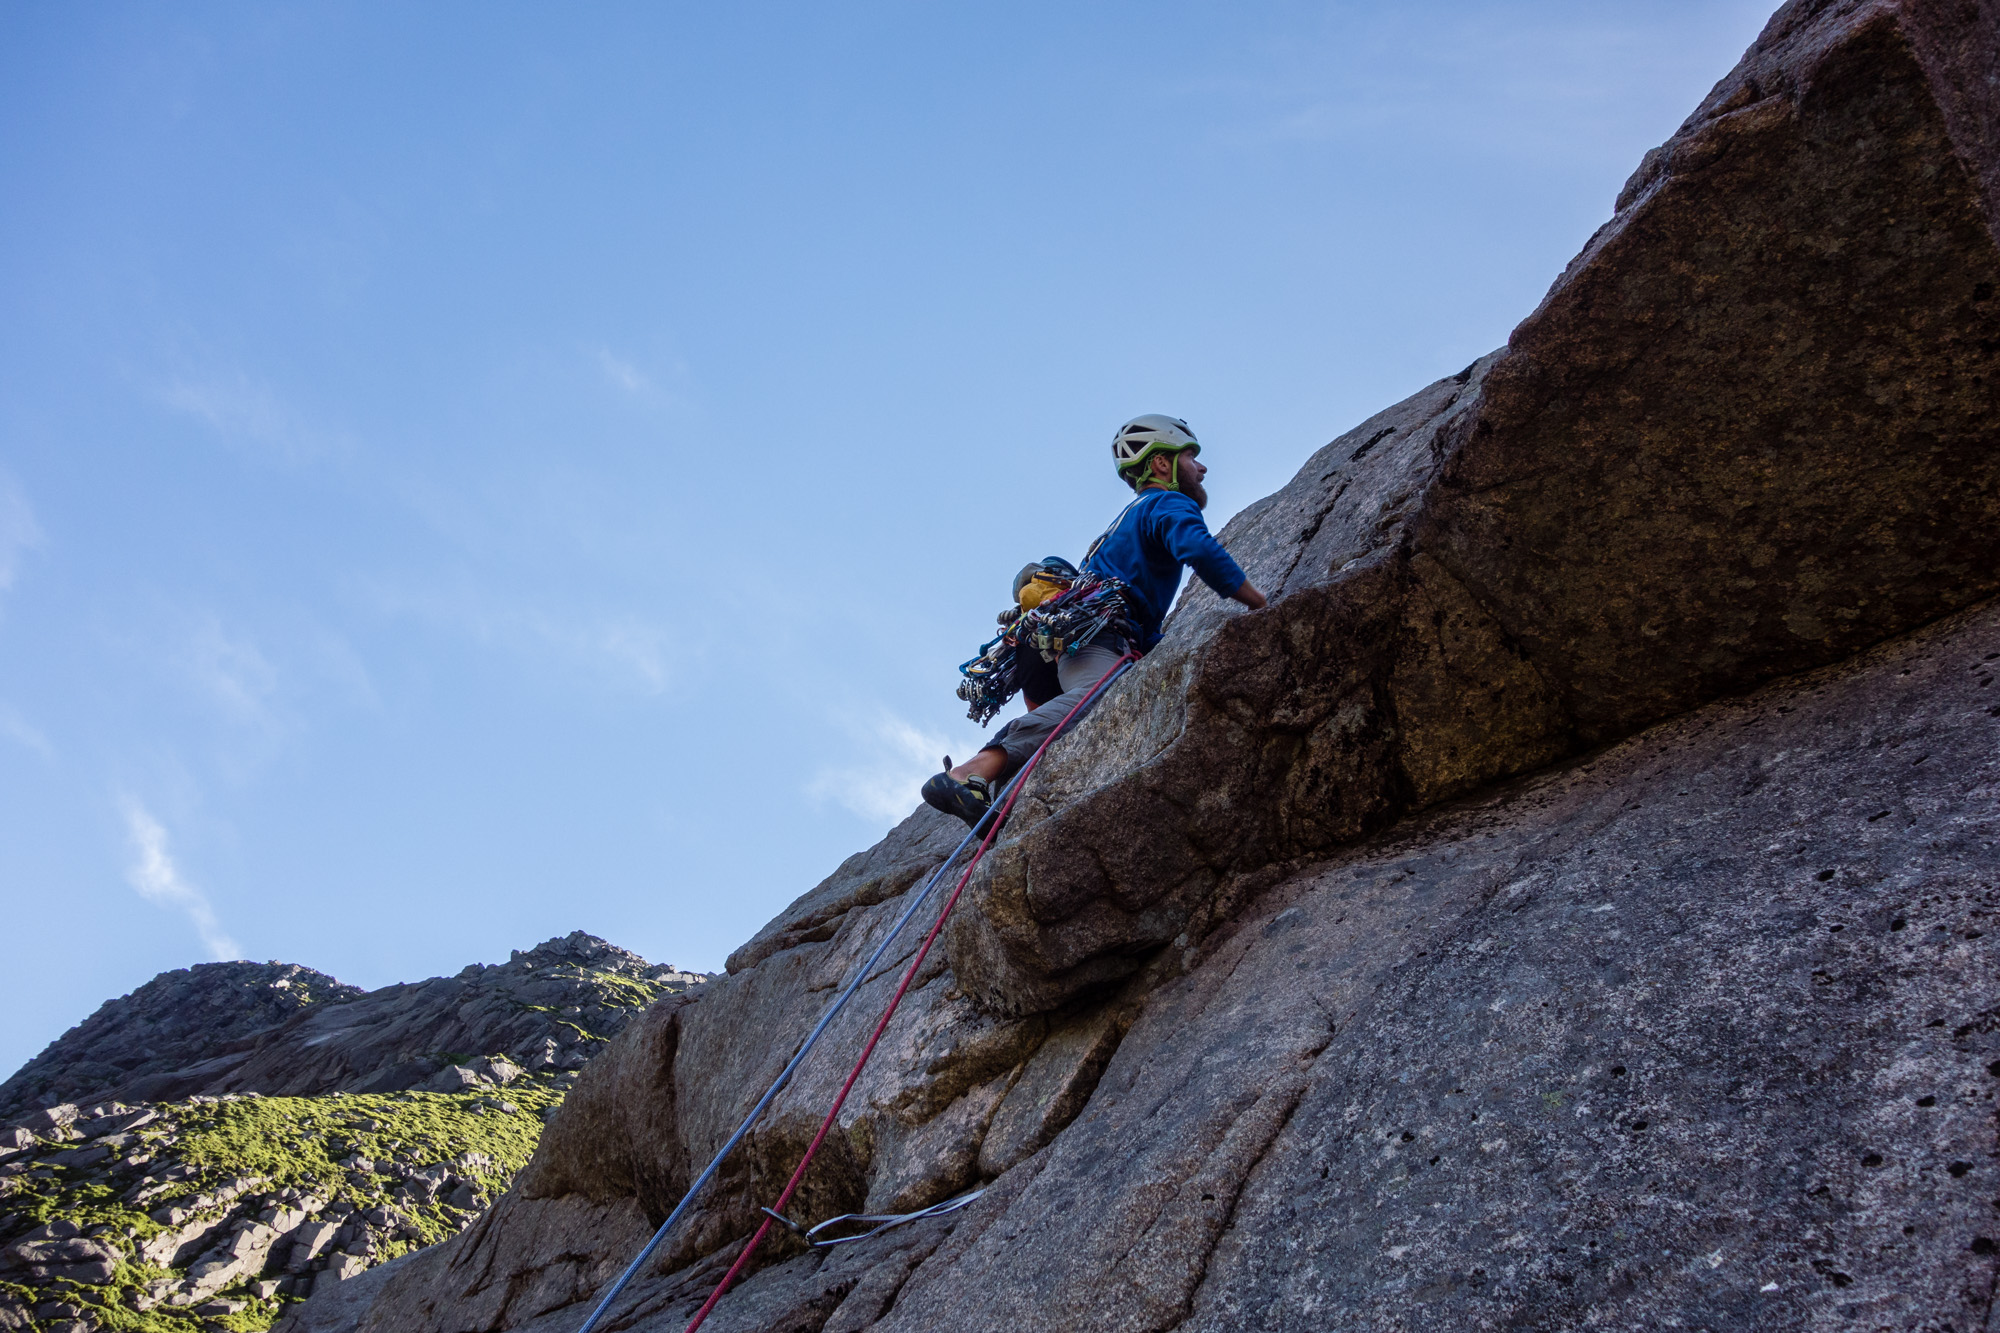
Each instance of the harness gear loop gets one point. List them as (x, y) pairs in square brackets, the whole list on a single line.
[(993, 675), (1065, 625), (1057, 624)]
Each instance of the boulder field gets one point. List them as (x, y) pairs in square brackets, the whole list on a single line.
[(1570, 904)]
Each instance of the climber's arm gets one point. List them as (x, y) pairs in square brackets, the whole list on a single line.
[(1182, 531)]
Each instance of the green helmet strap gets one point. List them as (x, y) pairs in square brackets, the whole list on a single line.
[(1140, 469)]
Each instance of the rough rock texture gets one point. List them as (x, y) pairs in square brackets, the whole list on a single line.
[(1566, 906), (178, 1019), (1699, 1027)]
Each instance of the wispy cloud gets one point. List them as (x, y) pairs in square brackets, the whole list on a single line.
[(19, 730), (662, 379), (234, 674), (622, 372), (19, 533), (891, 759), (631, 649), (246, 412), (158, 880), (1550, 80), (639, 647)]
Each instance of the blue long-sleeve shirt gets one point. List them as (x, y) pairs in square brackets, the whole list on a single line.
[(1146, 547)]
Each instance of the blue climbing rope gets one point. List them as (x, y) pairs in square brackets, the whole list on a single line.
[(840, 1002)]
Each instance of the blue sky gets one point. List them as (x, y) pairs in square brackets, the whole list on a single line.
[(473, 472)]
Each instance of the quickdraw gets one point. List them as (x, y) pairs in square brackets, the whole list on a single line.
[(990, 678), (883, 1221)]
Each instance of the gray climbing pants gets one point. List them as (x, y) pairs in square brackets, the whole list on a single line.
[(1022, 736)]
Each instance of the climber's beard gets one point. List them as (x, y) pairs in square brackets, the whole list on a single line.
[(1195, 491)]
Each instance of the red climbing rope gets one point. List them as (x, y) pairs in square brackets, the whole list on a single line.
[(909, 975)]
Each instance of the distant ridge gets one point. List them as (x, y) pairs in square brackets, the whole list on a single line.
[(177, 1020), (274, 1028), (232, 1136)]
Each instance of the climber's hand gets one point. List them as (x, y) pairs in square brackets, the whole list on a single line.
[(1249, 596)]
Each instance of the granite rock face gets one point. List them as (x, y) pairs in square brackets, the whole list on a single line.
[(1706, 1026), (1567, 906)]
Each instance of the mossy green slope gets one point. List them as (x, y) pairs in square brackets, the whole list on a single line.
[(316, 1184)]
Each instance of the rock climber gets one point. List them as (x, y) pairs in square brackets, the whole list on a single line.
[(1144, 549)]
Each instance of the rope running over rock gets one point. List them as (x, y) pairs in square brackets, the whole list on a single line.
[(909, 975), (990, 823)]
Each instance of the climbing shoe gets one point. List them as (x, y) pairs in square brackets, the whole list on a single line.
[(969, 800)]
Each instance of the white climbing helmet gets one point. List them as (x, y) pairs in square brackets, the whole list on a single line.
[(1142, 437)]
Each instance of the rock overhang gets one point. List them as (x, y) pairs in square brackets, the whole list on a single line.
[(1748, 432)]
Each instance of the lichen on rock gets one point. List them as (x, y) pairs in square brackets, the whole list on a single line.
[(159, 1216)]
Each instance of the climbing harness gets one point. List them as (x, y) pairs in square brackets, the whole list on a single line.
[(990, 825), (994, 675), (1066, 624), (883, 1221), (1057, 626), (1092, 605)]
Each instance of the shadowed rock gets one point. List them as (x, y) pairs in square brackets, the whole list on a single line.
[(279, 1029), (550, 1007), (176, 1021)]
